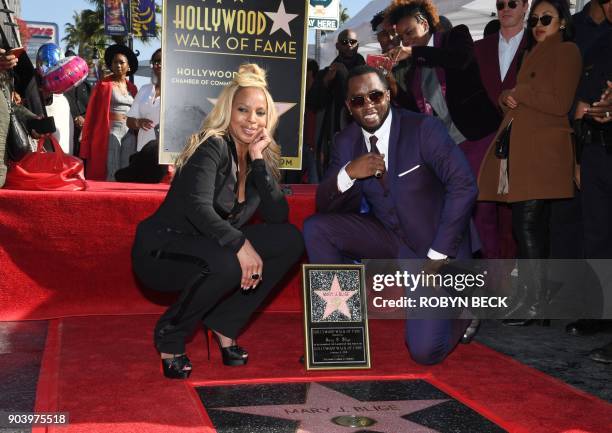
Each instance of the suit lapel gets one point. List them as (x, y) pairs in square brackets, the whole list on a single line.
[(393, 148), (494, 53)]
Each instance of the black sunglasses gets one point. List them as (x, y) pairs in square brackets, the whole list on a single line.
[(349, 41), (375, 96), (512, 4), (156, 63), (544, 19)]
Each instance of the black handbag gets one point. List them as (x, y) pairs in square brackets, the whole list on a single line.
[(502, 144), (17, 142)]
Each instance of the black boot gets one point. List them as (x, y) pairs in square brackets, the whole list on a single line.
[(470, 331), (603, 354), (532, 296)]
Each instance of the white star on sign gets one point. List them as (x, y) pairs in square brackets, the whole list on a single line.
[(281, 19), (281, 107)]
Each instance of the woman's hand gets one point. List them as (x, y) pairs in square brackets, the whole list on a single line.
[(400, 53), (251, 265), (145, 124), (508, 100), (7, 61), (260, 142)]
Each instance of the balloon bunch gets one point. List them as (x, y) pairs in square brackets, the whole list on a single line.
[(59, 75)]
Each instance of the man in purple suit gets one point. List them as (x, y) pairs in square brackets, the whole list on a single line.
[(498, 57), (420, 191)]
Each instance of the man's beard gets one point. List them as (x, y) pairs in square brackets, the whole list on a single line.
[(373, 130)]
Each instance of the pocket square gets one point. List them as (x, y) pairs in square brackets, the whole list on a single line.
[(408, 171)]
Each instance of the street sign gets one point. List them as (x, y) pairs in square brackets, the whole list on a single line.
[(324, 14)]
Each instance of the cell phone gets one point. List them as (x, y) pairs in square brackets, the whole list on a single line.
[(380, 62), (16, 51), (46, 125)]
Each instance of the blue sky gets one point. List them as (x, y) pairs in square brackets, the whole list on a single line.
[(61, 12)]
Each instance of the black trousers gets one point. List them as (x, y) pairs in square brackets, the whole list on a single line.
[(531, 227), (596, 176), (208, 277)]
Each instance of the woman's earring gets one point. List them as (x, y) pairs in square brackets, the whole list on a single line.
[(562, 27)]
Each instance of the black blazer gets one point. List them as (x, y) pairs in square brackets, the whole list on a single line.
[(203, 195), (470, 108)]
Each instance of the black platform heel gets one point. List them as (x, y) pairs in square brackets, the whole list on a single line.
[(177, 367), (232, 355)]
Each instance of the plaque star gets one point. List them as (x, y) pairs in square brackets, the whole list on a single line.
[(336, 299), (281, 107), (324, 404), (281, 19)]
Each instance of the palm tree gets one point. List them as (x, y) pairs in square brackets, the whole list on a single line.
[(344, 16), (85, 34)]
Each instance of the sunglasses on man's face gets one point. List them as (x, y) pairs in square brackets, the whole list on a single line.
[(544, 19), (512, 4), (156, 63), (349, 42), (375, 97)]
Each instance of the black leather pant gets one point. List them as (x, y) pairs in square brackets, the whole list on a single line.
[(530, 224)]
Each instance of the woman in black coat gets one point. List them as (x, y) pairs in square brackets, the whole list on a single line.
[(198, 243)]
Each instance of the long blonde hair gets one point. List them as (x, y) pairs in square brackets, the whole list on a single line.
[(216, 124)]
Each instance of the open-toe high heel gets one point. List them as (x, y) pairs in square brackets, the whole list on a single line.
[(232, 355), (177, 367)]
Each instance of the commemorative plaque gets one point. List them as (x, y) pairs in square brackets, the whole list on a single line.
[(335, 317)]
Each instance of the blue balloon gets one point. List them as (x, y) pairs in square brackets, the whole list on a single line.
[(47, 57)]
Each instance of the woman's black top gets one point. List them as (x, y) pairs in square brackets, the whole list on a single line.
[(203, 196)]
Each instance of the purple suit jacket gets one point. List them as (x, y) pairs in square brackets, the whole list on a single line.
[(428, 207), (486, 51)]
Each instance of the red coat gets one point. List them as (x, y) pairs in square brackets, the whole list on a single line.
[(94, 139)]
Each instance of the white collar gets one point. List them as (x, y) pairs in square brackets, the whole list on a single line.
[(514, 38)]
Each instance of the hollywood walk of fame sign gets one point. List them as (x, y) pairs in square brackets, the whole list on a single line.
[(335, 317), (204, 42)]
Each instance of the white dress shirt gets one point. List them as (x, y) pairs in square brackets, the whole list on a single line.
[(345, 182), (145, 106), (506, 51), (382, 133)]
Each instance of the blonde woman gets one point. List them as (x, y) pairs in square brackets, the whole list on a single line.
[(198, 242)]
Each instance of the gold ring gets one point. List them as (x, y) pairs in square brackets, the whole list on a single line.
[(378, 174)]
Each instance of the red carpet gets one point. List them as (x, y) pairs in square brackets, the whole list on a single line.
[(66, 254), (53, 244), (104, 371)]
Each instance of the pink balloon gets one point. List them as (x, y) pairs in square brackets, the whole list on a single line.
[(67, 74)]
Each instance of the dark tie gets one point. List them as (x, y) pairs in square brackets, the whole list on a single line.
[(373, 147)]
